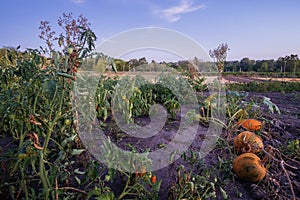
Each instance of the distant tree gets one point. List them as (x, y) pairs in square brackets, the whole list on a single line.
[(247, 64), (143, 61), (184, 64), (264, 66), (133, 63), (219, 55), (285, 59), (295, 60), (121, 65), (281, 62), (271, 65), (289, 63), (232, 66)]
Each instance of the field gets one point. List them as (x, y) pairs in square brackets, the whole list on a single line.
[(46, 154), (280, 130)]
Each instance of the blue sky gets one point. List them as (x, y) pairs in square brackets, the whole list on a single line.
[(258, 29)]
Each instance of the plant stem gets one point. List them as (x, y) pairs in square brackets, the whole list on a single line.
[(124, 192), (23, 182), (46, 186), (43, 175)]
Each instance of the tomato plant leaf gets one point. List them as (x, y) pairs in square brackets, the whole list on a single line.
[(77, 151)]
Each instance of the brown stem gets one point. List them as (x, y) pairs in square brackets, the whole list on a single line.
[(282, 163), (72, 188), (56, 189)]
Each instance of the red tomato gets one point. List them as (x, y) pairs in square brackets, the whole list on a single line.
[(153, 179)]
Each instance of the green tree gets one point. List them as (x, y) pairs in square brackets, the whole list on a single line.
[(264, 66), (295, 60), (247, 64)]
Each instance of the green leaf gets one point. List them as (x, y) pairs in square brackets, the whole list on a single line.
[(77, 151), (65, 75), (111, 172), (267, 101), (78, 180), (49, 87), (223, 192), (114, 67), (157, 185), (76, 171), (108, 196), (71, 138)]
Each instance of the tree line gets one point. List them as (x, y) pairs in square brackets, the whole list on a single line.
[(289, 63)]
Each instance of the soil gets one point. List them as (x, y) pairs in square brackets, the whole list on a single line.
[(280, 129)]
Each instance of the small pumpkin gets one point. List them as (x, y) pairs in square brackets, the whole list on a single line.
[(250, 124), (248, 167), (248, 142)]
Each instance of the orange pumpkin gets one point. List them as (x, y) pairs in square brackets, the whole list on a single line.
[(248, 142), (250, 124), (248, 167)]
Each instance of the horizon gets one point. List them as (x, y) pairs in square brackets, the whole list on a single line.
[(258, 30)]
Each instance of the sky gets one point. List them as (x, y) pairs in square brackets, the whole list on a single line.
[(257, 29)]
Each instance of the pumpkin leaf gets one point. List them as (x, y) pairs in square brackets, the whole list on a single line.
[(267, 101)]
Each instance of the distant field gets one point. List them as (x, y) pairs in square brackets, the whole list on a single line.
[(208, 78), (241, 79)]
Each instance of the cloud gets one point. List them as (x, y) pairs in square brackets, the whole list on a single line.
[(77, 1), (174, 13)]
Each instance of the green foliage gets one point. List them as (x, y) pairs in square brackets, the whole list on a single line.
[(103, 96), (269, 86), (193, 186), (293, 148), (35, 95), (35, 104), (131, 97)]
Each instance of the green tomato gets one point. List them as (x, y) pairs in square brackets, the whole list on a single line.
[(22, 156), (67, 122), (12, 116), (107, 177), (70, 50), (29, 150)]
